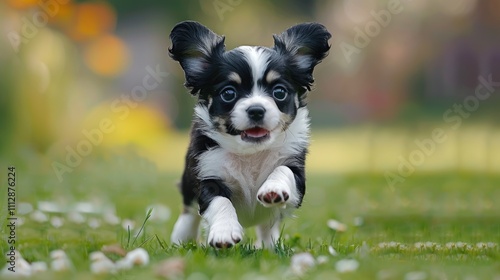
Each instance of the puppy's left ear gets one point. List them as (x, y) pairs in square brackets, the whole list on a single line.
[(305, 45), (195, 47)]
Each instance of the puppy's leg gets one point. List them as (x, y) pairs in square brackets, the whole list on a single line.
[(283, 187), (216, 208), (267, 234), (186, 227)]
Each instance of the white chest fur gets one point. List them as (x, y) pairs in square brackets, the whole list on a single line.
[(244, 175)]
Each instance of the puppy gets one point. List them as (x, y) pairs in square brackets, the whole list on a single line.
[(250, 132)]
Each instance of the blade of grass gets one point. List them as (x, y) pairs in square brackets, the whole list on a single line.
[(148, 215), (128, 237), (145, 241), (159, 242)]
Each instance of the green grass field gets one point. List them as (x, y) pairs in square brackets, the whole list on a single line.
[(433, 226)]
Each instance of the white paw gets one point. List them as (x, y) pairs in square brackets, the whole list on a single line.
[(225, 234), (273, 193)]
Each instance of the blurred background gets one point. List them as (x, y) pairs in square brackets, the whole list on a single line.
[(409, 86)]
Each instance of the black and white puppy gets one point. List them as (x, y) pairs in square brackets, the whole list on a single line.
[(250, 133)]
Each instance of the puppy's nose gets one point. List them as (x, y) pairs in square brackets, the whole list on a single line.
[(256, 112)]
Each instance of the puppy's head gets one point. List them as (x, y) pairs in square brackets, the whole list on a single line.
[(249, 95)]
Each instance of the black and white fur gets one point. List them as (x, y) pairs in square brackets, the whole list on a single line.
[(250, 133)]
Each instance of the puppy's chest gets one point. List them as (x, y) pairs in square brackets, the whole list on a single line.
[(241, 173)]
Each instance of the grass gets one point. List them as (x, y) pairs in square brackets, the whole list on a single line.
[(387, 229)]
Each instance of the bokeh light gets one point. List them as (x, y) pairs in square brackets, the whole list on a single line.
[(22, 4), (91, 20), (140, 126), (107, 55)]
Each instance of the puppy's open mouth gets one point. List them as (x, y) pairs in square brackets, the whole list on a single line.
[(255, 134)]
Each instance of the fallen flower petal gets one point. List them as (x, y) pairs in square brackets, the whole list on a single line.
[(347, 265), (336, 225), (301, 263), (100, 264), (138, 256)]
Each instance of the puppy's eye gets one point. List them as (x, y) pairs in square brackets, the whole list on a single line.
[(228, 94), (280, 93)]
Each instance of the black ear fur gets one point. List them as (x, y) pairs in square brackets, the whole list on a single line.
[(305, 44), (195, 46)]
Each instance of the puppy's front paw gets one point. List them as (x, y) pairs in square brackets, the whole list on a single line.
[(273, 194), (225, 234)]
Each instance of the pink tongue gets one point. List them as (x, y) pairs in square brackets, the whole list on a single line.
[(256, 132)]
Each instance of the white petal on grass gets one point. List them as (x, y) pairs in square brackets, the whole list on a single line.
[(23, 265), (430, 245), (58, 254), (336, 225), (20, 221), (347, 265), (50, 207), (94, 223), (37, 267), (363, 251), (301, 263), (76, 217), (22, 269), (383, 245), (24, 208), (39, 216), (491, 245), (60, 261), (86, 207), (393, 244), (481, 245), (138, 257), (332, 251), (415, 275), (57, 222), (172, 268), (358, 221), (111, 218), (451, 245), (100, 264), (322, 259), (160, 213)]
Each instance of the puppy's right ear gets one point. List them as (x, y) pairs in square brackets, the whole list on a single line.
[(195, 47)]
